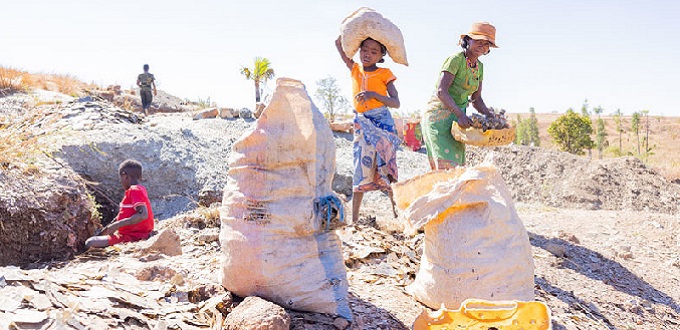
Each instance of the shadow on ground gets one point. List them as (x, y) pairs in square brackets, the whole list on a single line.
[(366, 316), (607, 271)]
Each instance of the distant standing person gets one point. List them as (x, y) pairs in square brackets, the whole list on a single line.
[(460, 82), (145, 81), (135, 218)]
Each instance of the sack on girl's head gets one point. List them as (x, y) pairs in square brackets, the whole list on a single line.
[(367, 23)]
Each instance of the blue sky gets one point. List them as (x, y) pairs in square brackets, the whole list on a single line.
[(554, 54)]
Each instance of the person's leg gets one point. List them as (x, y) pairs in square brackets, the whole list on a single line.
[(97, 241), (394, 205), (146, 102), (356, 204)]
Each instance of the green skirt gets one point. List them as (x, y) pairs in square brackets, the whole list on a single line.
[(443, 150)]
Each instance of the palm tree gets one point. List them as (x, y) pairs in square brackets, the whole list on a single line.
[(259, 74)]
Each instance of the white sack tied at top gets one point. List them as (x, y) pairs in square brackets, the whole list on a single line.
[(475, 246), (275, 243)]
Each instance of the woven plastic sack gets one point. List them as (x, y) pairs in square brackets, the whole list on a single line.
[(477, 137), (367, 23), (274, 244), (475, 246), (484, 315)]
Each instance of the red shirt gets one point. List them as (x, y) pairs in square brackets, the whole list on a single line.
[(135, 196)]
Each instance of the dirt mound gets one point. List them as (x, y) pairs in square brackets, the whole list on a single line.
[(44, 215), (564, 180)]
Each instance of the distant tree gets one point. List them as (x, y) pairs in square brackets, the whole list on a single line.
[(260, 73), (526, 130), (584, 109), (635, 127), (586, 113), (619, 128), (598, 110), (600, 133), (521, 131), (329, 95), (534, 137), (601, 137), (571, 132), (646, 114)]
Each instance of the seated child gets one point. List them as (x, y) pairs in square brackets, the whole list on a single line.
[(135, 218)]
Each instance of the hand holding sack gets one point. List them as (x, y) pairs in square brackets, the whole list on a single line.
[(367, 23)]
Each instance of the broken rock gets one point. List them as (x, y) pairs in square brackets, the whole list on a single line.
[(255, 313), (228, 113), (166, 242), (557, 250), (155, 273), (206, 114)]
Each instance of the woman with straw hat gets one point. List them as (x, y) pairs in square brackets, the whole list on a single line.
[(459, 83)]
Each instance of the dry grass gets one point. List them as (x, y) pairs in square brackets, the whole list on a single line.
[(15, 80), (664, 140), (202, 217), (670, 169), (20, 141), (62, 83)]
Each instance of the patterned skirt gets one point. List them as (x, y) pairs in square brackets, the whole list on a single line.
[(375, 150)]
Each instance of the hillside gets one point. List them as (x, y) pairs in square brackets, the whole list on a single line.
[(664, 138)]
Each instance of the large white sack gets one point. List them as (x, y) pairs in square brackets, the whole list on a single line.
[(274, 246), (366, 22), (475, 246)]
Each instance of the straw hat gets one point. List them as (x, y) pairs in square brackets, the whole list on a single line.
[(482, 31)]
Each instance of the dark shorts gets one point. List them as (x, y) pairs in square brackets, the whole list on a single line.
[(147, 97)]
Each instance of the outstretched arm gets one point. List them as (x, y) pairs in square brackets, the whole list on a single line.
[(348, 61), (445, 81), (478, 102)]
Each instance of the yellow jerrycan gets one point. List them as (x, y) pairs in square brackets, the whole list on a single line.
[(477, 314)]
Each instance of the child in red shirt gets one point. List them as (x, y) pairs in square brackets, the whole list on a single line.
[(135, 218)]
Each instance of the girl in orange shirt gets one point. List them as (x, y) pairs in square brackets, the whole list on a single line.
[(375, 136)]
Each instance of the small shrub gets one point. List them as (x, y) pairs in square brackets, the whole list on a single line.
[(211, 215), (14, 80), (202, 217), (67, 84)]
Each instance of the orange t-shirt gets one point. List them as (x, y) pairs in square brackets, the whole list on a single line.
[(375, 81)]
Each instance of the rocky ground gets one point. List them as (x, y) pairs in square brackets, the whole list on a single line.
[(604, 233)]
